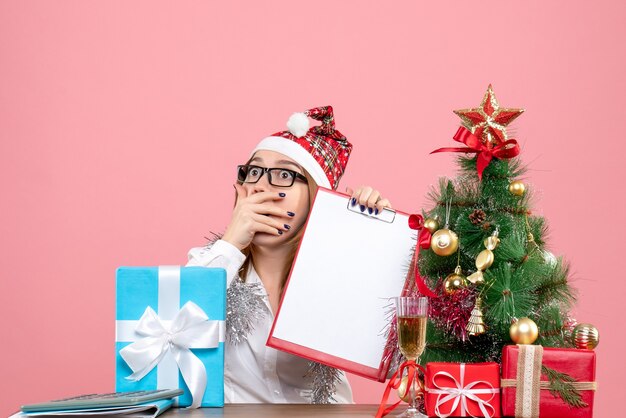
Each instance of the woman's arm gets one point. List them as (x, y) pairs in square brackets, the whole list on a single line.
[(220, 254)]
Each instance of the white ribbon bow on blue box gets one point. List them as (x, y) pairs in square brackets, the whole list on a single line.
[(176, 347)]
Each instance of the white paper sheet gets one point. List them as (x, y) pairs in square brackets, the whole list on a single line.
[(348, 266)]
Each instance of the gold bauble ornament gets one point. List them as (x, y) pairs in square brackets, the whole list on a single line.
[(454, 282), (444, 242), (402, 389), (476, 278), (431, 224), (524, 331), (585, 336), (517, 188), (484, 260)]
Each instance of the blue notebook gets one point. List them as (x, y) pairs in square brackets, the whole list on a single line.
[(145, 410)]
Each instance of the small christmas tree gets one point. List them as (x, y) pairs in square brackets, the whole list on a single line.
[(486, 260)]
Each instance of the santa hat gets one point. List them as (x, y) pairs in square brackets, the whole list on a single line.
[(321, 150)]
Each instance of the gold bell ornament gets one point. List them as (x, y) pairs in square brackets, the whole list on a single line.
[(585, 336), (476, 325), (524, 331), (485, 259), (445, 242)]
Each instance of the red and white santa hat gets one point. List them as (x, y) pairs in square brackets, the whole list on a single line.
[(321, 150)]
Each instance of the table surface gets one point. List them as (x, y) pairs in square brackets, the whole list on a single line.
[(277, 410)]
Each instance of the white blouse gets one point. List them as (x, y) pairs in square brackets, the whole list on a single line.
[(253, 372)]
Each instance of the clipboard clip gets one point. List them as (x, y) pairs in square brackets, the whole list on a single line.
[(387, 215)]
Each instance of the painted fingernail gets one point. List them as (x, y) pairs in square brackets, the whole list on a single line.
[(287, 226), (353, 201), (362, 208), (376, 211), (281, 194), (370, 210), (291, 214), (280, 232)]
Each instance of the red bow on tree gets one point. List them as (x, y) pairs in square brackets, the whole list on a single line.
[(486, 153), (416, 222)]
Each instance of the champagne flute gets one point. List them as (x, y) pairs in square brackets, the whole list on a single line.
[(412, 314)]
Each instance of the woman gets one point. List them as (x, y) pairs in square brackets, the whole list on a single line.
[(275, 189)]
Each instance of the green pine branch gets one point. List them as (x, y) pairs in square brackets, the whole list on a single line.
[(561, 386), (508, 294), (539, 229), (504, 169), (512, 246), (443, 346), (551, 326), (555, 286)]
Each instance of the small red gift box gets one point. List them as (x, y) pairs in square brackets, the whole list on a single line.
[(525, 386), (462, 390)]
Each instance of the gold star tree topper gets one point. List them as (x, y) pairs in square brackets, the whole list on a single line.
[(488, 121)]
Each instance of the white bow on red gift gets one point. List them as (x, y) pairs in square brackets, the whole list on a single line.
[(461, 394), (191, 328)]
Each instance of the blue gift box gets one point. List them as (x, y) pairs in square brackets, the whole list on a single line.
[(152, 298)]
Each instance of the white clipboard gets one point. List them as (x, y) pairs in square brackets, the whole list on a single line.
[(348, 267)]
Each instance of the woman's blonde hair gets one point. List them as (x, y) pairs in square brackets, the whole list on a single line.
[(293, 241)]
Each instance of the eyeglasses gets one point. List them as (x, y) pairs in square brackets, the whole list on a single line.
[(279, 177)]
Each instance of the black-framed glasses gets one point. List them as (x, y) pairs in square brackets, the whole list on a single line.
[(279, 177)]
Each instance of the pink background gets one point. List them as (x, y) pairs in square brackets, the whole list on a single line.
[(121, 123)]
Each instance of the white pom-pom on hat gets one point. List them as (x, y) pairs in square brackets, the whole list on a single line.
[(298, 124)]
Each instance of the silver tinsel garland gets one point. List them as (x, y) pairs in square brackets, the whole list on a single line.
[(324, 382), (244, 306), (392, 352)]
